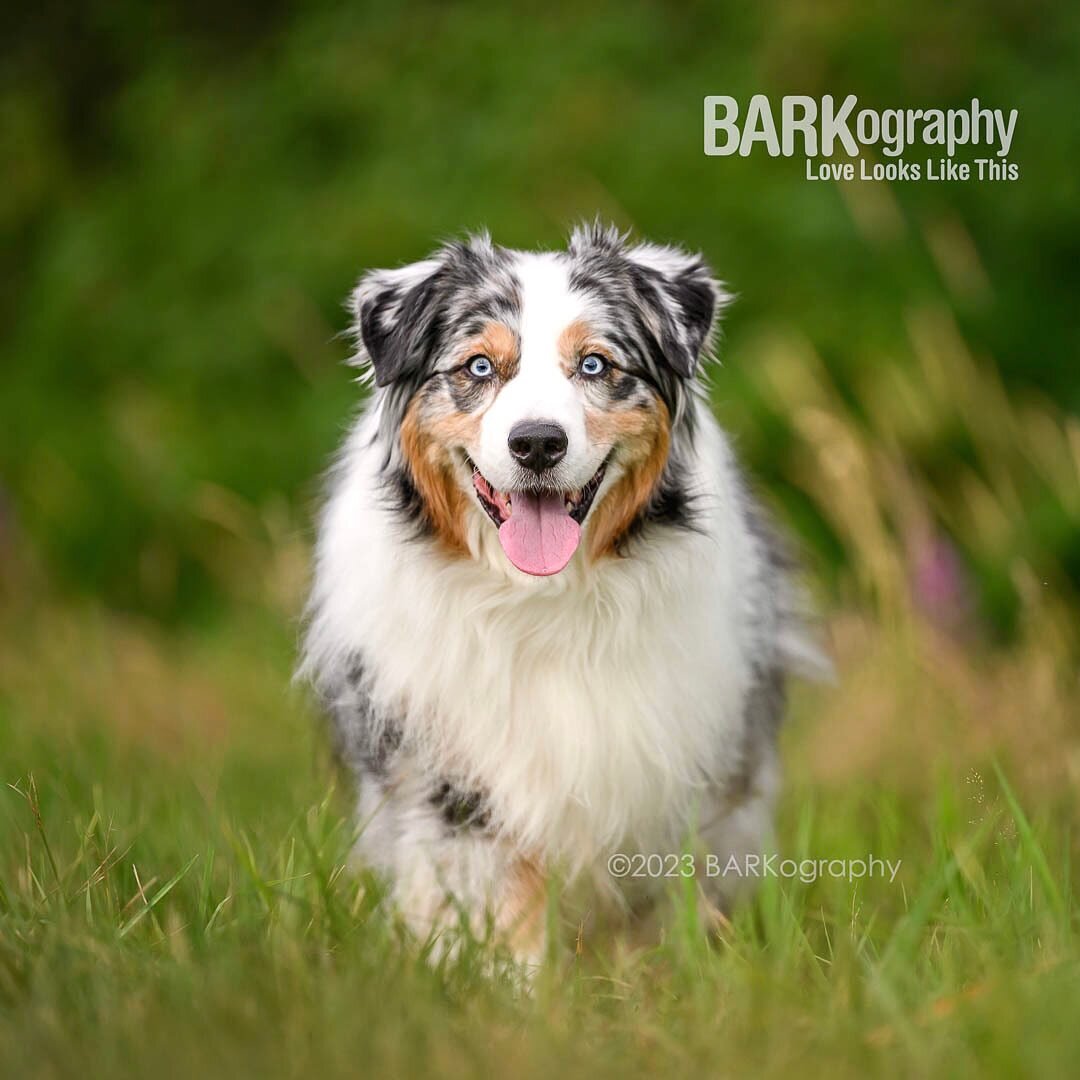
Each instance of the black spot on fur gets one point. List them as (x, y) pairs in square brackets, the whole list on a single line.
[(670, 506), (460, 809), (466, 394), (405, 500), (623, 388)]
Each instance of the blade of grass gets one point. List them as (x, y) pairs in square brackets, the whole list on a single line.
[(31, 797), (156, 898), (1031, 846)]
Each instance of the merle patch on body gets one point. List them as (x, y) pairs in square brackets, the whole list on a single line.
[(363, 741), (460, 809), (368, 745)]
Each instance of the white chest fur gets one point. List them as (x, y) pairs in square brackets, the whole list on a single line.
[(592, 708)]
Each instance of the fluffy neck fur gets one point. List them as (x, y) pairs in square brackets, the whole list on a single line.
[(592, 708)]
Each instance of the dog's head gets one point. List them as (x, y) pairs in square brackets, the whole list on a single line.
[(540, 390)]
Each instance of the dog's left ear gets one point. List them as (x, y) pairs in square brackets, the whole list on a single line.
[(685, 299), (395, 314)]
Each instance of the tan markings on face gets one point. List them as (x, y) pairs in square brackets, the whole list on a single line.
[(632, 427), (643, 437), (576, 341), (500, 345), (426, 439)]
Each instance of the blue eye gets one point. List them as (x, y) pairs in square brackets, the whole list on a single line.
[(479, 367), (593, 365)]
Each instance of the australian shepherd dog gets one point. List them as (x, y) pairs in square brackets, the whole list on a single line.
[(549, 623)]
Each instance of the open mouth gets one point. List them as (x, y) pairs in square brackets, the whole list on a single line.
[(538, 531)]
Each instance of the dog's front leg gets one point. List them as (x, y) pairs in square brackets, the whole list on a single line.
[(453, 876), (472, 887)]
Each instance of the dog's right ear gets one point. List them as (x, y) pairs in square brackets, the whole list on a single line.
[(396, 318)]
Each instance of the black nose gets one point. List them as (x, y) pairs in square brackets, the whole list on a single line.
[(537, 444)]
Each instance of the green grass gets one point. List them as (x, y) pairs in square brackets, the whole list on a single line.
[(173, 899)]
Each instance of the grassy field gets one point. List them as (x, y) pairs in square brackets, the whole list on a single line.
[(173, 899)]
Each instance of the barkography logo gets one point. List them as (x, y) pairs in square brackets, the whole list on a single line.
[(820, 128), (673, 864)]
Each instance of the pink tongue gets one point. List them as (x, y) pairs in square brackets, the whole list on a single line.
[(540, 535)]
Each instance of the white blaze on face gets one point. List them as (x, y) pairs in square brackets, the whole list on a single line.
[(541, 389), (541, 535)]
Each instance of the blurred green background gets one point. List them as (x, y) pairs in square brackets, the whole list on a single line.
[(190, 190)]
